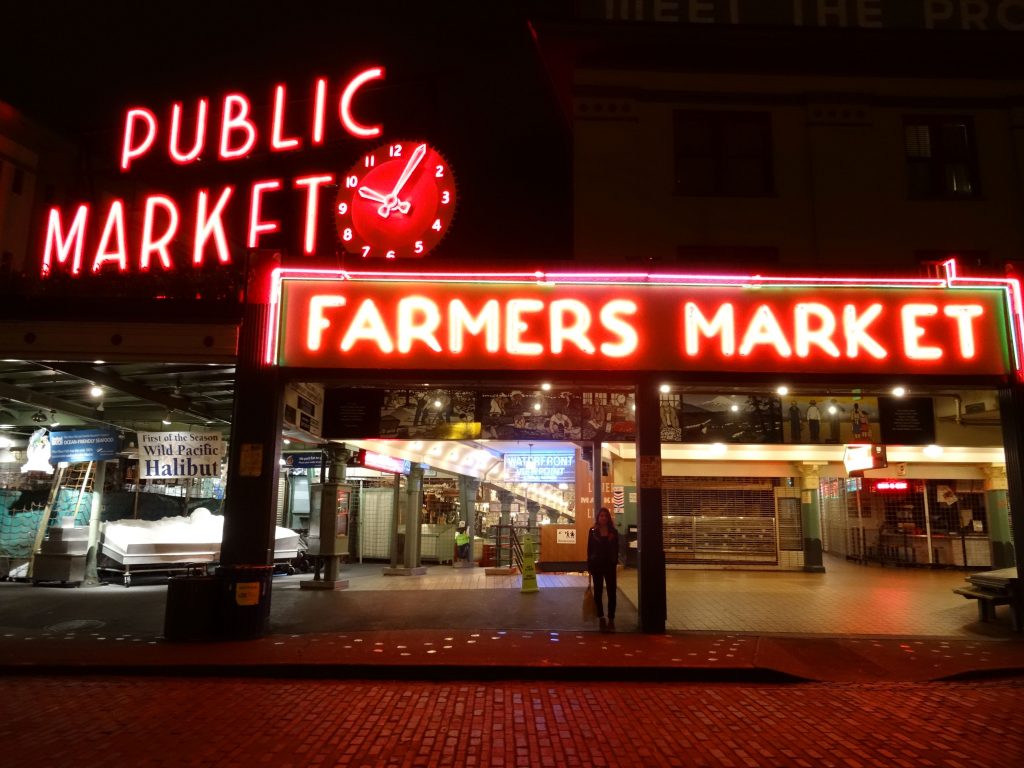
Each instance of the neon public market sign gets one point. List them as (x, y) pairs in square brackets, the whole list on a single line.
[(96, 241)]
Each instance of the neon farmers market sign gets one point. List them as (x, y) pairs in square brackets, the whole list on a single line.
[(547, 321)]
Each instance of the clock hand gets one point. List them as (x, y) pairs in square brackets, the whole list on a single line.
[(417, 156), (371, 194), (385, 202)]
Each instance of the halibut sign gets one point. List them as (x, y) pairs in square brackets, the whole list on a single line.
[(165, 455), (437, 321)]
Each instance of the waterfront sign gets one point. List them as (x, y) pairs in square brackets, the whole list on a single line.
[(540, 467)]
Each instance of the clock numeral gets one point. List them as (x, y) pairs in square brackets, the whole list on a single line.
[(347, 234), (351, 181), (342, 208), (369, 161), (439, 172), (390, 254), (446, 197), (366, 251), (395, 150), (418, 247), (436, 226)]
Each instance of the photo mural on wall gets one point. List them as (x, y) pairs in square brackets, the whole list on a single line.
[(830, 419), (442, 414), (608, 416), (716, 418), (519, 414), (495, 414)]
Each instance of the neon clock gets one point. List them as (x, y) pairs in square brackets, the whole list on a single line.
[(396, 202)]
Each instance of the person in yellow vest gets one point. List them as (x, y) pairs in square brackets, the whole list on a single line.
[(462, 541)]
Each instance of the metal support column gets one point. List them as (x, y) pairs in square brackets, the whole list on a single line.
[(1011, 412), (468, 489), (243, 598), (997, 510), (650, 536), (413, 524), (810, 517)]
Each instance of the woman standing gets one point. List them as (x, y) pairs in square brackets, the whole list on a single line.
[(602, 562)]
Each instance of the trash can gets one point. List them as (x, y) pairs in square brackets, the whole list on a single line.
[(191, 611), (244, 600)]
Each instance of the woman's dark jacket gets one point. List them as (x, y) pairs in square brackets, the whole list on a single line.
[(602, 552)]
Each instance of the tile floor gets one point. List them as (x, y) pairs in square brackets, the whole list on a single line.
[(848, 599)]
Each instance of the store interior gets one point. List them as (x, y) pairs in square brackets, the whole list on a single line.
[(511, 464)]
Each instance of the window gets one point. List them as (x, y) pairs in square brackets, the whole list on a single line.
[(18, 182), (732, 259), (723, 153), (941, 157)]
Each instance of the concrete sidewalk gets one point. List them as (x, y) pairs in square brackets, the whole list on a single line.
[(451, 624), (514, 654)]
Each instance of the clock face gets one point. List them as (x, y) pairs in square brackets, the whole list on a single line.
[(396, 202)]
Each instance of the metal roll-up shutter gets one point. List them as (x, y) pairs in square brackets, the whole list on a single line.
[(718, 521)]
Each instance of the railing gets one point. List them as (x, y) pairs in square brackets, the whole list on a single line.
[(508, 549)]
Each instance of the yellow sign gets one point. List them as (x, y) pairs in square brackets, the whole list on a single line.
[(251, 460), (529, 567), (247, 593)]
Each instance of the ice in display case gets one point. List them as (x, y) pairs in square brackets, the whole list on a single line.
[(176, 541)]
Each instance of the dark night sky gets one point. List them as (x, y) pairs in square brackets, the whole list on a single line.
[(464, 75)]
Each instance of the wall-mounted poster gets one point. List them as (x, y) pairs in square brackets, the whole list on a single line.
[(351, 414), (716, 418), (830, 419), (517, 414), (907, 420), (608, 416), (442, 414)]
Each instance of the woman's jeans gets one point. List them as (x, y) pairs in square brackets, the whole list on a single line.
[(605, 575)]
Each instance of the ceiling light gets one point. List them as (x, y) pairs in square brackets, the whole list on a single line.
[(6, 426), (437, 403), (832, 410), (782, 391), (899, 391), (38, 417), (734, 407), (536, 406), (664, 388), (98, 362), (932, 450), (96, 391), (718, 449), (166, 419), (546, 386)]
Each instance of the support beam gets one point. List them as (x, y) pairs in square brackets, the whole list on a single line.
[(650, 535)]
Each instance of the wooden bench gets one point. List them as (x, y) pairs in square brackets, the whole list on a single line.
[(988, 598)]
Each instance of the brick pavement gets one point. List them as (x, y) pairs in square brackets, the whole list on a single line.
[(168, 722)]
